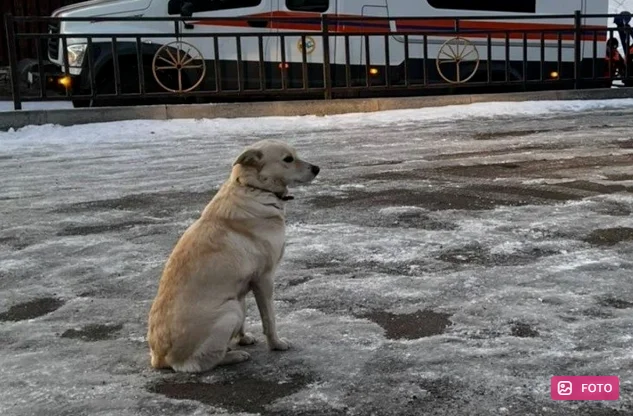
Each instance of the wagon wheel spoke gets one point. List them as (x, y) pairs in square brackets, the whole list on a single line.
[(179, 80), (443, 52), (469, 53), (162, 68), (452, 50), (173, 59), (168, 61), (193, 66), (452, 61), (459, 76)]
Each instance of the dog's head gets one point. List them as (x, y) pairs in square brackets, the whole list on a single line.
[(272, 165)]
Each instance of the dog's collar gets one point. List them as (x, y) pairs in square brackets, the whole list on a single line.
[(279, 196)]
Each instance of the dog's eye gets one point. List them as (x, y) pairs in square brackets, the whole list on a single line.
[(289, 159)]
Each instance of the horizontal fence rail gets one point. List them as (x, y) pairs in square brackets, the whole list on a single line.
[(105, 61)]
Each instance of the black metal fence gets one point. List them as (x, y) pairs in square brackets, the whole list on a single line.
[(330, 57)]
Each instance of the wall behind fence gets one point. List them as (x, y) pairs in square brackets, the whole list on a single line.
[(26, 49)]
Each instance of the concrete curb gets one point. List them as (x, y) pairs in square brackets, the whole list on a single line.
[(68, 117)]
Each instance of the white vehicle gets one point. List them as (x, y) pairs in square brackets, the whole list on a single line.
[(531, 46)]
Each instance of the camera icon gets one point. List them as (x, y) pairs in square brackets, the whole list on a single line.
[(564, 388)]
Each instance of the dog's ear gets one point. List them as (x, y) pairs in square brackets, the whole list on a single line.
[(250, 158)]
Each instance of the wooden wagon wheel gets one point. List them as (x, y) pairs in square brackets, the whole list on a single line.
[(172, 59), (458, 51)]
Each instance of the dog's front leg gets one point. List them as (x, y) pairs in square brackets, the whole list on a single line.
[(245, 338), (263, 291)]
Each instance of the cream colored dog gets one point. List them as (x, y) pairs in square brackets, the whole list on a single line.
[(233, 248)]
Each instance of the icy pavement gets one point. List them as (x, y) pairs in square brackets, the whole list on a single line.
[(447, 262)]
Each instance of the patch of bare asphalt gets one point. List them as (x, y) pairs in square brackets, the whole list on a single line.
[(611, 302), (474, 254), (472, 197), (93, 332), (527, 168), (620, 177), (31, 309), (158, 204), (248, 394), (625, 144), (523, 330), (101, 228), (415, 325), (491, 135), (501, 152), (17, 242), (610, 236)]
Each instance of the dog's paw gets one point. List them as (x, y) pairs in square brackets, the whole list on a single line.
[(247, 339), (235, 357), (279, 344)]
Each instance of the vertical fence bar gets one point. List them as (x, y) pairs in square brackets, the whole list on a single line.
[(542, 63), (327, 74), (489, 57), (367, 63), (507, 63), (40, 68), (117, 73), (216, 64), (348, 71), (594, 73), (559, 68), (65, 61), (91, 69), (238, 45), (525, 59), (577, 48), (283, 64), (387, 63), (13, 61), (304, 63), (425, 52), (406, 61), (141, 68), (262, 72)]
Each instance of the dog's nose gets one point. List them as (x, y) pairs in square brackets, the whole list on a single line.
[(315, 170)]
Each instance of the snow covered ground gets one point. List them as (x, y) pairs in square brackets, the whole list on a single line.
[(447, 261), (37, 105)]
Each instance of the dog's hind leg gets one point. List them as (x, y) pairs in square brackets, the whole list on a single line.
[(245, 338), (214, 350)]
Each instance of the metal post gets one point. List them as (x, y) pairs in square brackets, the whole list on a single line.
[(577, 47), (327, 75), (13, 61)]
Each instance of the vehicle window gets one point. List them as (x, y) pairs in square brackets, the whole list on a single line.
[(228, 4), (308, 5), (196, 6), (524, 6)]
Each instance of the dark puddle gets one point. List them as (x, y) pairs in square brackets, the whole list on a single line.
[(610, 236), (523, 330), (250, 395), (32, 309), (93, 332), (415, 325), (101, 228)]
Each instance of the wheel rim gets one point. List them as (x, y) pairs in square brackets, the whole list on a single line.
[(173, 59), (457, 52)]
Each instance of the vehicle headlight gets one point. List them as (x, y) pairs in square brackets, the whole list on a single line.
[(76, 54)]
